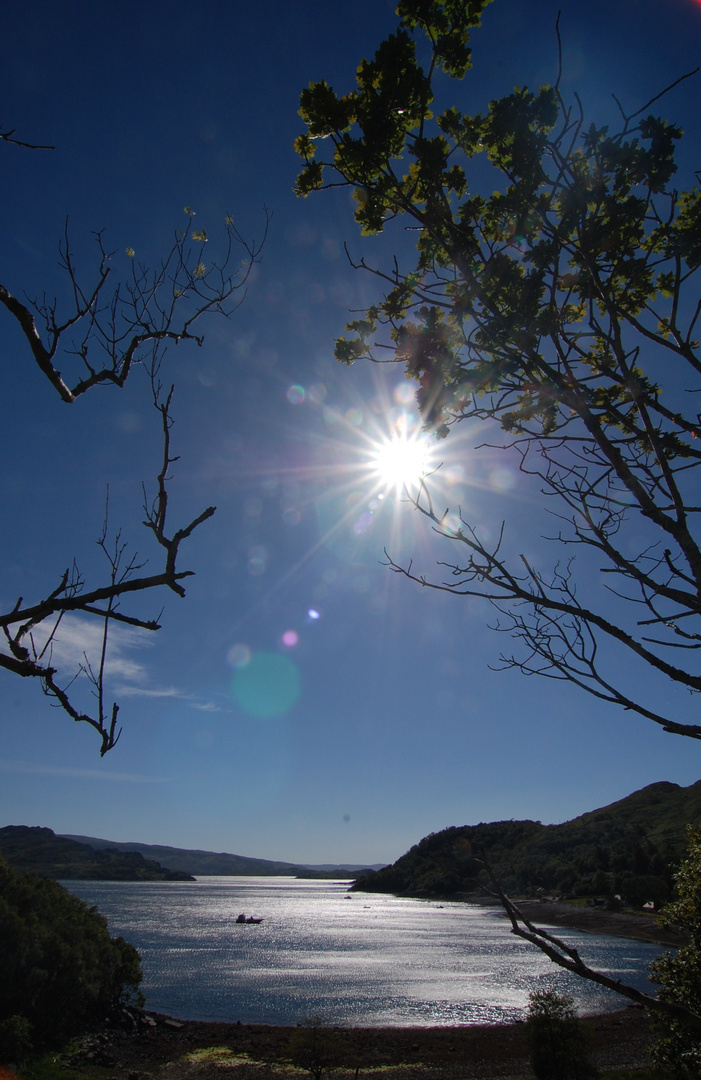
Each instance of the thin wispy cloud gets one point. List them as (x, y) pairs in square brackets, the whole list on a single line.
[(77, 639), (165, 692), (149, 691), (30, 768)]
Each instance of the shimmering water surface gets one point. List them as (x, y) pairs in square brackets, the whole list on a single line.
[(353, 959)]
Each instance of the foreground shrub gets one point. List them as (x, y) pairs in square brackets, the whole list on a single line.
[(316, 1048), (15, 1038), (61, 970), (557, 1039), (679, 973)]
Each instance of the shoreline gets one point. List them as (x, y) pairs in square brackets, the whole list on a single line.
[(146, 1044), (149, 1043), (600, 921), (590, 920)]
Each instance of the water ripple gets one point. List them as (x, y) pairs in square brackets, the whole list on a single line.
[(368, 960)]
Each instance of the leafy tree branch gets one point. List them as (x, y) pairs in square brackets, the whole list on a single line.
[(557, 298)]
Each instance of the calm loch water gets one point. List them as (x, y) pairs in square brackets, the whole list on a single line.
[(353, 959)]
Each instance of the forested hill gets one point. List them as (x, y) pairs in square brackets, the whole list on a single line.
[(203, 863), (24, 848), (198, 862), (627, 848)]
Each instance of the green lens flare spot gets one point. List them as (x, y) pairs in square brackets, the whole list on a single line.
[(268, 685)]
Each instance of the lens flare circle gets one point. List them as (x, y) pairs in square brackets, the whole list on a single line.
[(267, 686), (239, 655)]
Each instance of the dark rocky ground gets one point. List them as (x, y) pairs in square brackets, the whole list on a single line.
[(188, 1050)]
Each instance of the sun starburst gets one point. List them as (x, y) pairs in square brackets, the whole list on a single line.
[(402, 461)]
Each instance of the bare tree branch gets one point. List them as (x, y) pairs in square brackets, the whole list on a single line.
[(101, 339), (25, 658), (8, 137), (568, 958)]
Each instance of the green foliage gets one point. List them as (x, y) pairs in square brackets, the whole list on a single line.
[(626, 847), (550, 296), (216, 1055), (679, 974), (16, 1039), (316, 1048), (60, 969), (641, 889), (636, 1074), (570, 227), (557, 1039), (49, 1066)]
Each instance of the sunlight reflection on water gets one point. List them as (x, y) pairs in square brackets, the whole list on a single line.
[(361, 959)]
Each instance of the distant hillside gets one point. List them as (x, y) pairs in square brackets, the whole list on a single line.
[(627, 848), (41, 851), (203, 863), (193, 861)]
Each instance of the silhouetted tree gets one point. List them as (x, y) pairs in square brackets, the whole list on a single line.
[(121, 320), (559, 1042), (559, 297), (317, 1048), (642, 889)]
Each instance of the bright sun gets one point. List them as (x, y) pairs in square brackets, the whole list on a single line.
[(402, 462)]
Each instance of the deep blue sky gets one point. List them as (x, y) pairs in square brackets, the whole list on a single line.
[(399, 727)]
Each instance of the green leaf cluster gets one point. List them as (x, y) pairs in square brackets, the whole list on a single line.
[(534, 280)]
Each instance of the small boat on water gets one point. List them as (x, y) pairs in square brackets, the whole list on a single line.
[(243, 920)]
